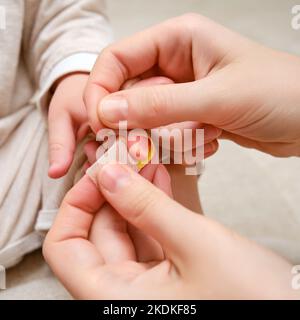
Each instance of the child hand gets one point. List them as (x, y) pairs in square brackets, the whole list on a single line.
[(67, 122)]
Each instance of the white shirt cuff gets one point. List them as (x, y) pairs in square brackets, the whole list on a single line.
[(79, 62)]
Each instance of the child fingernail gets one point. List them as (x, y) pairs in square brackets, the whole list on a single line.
[(114, 109), (53, 165), (113, 177)]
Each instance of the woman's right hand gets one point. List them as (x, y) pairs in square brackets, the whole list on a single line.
[(222, 79), (126, 239)]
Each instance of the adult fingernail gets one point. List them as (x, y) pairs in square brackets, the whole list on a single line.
[(113, 177), (114, 109)]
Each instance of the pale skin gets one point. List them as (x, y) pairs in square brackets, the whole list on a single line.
[(251, 93), (151, 247), (68, 124)]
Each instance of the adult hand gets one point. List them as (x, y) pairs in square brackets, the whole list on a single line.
[(144, 245), (211, 134), (222, 79)]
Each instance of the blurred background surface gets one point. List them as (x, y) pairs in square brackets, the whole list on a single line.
[(267, 21), (251, 192)]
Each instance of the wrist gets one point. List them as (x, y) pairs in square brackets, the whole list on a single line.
[(64, 77)]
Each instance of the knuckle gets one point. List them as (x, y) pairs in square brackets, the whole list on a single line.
[(109, 54), (181, 22), (144, 203), (107, 50), (191, 18), (56, 147), (105, 53), (155, 102)]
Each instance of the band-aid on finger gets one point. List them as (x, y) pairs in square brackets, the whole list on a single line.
[(118, 153), (142, 150)]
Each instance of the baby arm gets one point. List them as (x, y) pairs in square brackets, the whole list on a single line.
[(66, 38)]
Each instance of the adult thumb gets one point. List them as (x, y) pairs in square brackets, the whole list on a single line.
[(154, 106), (146, 207)]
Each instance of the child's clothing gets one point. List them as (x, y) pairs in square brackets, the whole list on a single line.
[(41, 41)]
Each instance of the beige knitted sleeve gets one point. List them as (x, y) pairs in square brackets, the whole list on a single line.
[(62, 28)]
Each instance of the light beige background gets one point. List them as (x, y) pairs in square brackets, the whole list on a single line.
[(256, 194)]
